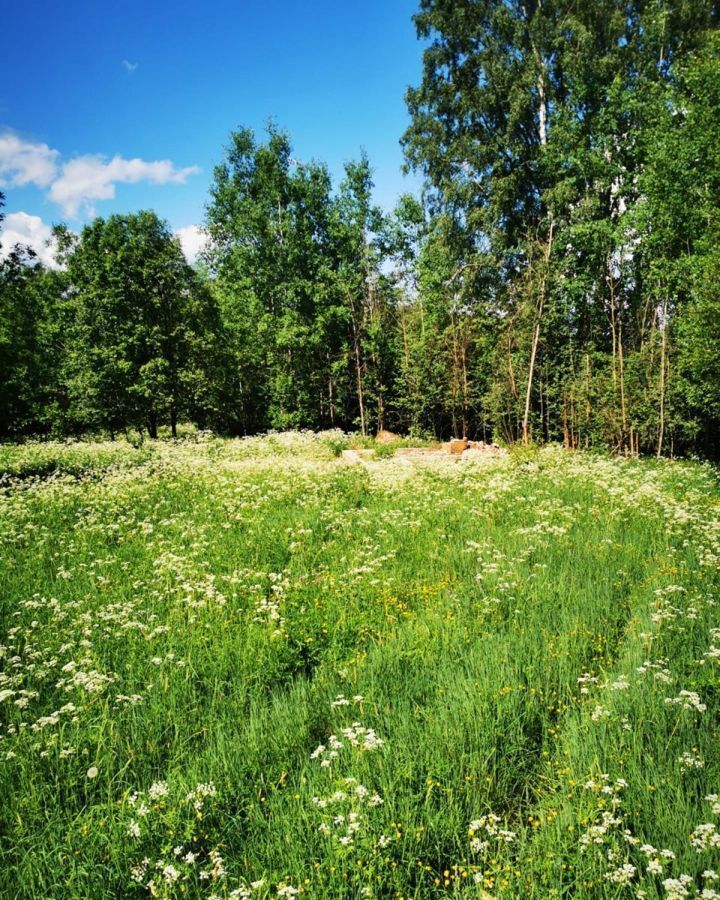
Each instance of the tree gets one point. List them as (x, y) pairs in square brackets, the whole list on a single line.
[(364, 292), (299, 271), (268, 221), (144, 327), (546, 130), (30, 346)]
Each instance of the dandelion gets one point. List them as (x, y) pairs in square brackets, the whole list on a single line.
[(92, 772)]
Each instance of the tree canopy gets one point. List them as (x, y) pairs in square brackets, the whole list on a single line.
[(555, 280)]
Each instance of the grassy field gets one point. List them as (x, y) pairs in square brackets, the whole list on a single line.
[(251, 669)]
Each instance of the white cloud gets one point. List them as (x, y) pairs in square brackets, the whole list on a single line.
[(23, 162), (192, 239), (77, 183), (31, 231), (129, 66), (93, 177)]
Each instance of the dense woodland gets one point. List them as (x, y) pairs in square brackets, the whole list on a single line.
[(558, 279)]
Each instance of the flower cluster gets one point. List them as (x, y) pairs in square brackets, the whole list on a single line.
[(486, 833), (355, 735), (348, 805)]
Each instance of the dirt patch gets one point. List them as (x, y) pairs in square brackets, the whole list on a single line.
[(474, 450), (354, 456)]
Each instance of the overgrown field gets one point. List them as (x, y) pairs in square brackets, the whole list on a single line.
[(251, 669)]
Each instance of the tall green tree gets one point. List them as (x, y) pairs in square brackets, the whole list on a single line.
[(268, 221), (144, 330), (538, 127), (30, 344), (364, 293)]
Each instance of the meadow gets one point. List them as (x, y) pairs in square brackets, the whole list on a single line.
[(251, 669)]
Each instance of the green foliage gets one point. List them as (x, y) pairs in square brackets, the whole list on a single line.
[(385, 451), (144, 329), (38, 460), (555, 282), (336, 442), (524, 454), (572, 148), (31, 319)]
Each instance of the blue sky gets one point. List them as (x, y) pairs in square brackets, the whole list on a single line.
[(87, 87)]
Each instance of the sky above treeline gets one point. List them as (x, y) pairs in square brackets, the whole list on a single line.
[(116, 107)]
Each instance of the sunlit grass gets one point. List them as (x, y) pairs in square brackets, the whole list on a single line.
[(185, 627)]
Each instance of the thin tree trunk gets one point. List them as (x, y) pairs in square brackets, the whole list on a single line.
[(623, 407), (455, 377), (358, 372), (547, 407), (465, 389), (372, 308), (663, 358), (542, 106), (536, 339), (409, 374), (358, 366), (331, 397), (613, 325), (588, 408), (511, 371), (540, 82), (531, 370)]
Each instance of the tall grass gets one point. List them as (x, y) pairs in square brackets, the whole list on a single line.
[(247, 668)]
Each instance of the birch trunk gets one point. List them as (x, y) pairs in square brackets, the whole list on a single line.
[(536, 338)]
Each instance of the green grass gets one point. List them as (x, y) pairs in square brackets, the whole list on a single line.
[(189, 614)]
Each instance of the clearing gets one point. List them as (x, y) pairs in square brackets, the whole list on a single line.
[(251, 668)]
